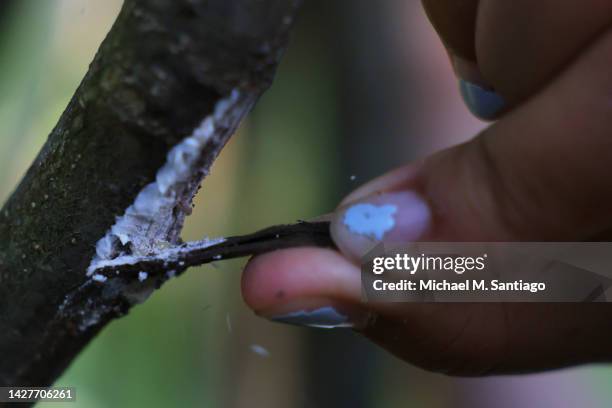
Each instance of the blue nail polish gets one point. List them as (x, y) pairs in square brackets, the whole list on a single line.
[(323, 318), (483, 103)]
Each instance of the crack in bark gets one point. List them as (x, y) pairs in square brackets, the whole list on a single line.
[(156, 217)]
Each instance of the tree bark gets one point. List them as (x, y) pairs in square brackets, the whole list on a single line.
[(164, 66)]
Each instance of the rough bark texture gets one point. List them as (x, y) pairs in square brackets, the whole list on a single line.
[(161, 70)]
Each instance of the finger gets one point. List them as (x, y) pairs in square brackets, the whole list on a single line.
[(319, 288), (298, 273), (521, 45), (535, 175), (455, 23), (514, 48), (315, 287), (305, 286)]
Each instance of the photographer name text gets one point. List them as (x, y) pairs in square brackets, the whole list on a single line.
[(464, 286)]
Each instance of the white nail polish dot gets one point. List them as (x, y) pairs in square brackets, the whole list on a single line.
[(370, 220)]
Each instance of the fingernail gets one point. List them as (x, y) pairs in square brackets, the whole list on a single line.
[(398, 217), (482, 102), (324, 317)]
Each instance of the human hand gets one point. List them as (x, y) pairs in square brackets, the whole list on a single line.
[(540, 173)]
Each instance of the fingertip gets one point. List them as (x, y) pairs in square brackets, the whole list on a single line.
[(287, 279), (401, 216)]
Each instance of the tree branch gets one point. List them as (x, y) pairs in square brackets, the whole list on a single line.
[(168, 87)]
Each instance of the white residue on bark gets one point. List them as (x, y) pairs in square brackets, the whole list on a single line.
[(168, 255), (141, 230)]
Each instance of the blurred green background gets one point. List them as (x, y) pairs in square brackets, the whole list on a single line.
[(364, 87)]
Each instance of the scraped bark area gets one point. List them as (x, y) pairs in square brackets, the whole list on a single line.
[(165, 66), (166, 263)]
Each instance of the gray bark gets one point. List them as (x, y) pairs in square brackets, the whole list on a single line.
[(162, 68)]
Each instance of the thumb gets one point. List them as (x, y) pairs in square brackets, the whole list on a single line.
[(537, 174), (455, 195)]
